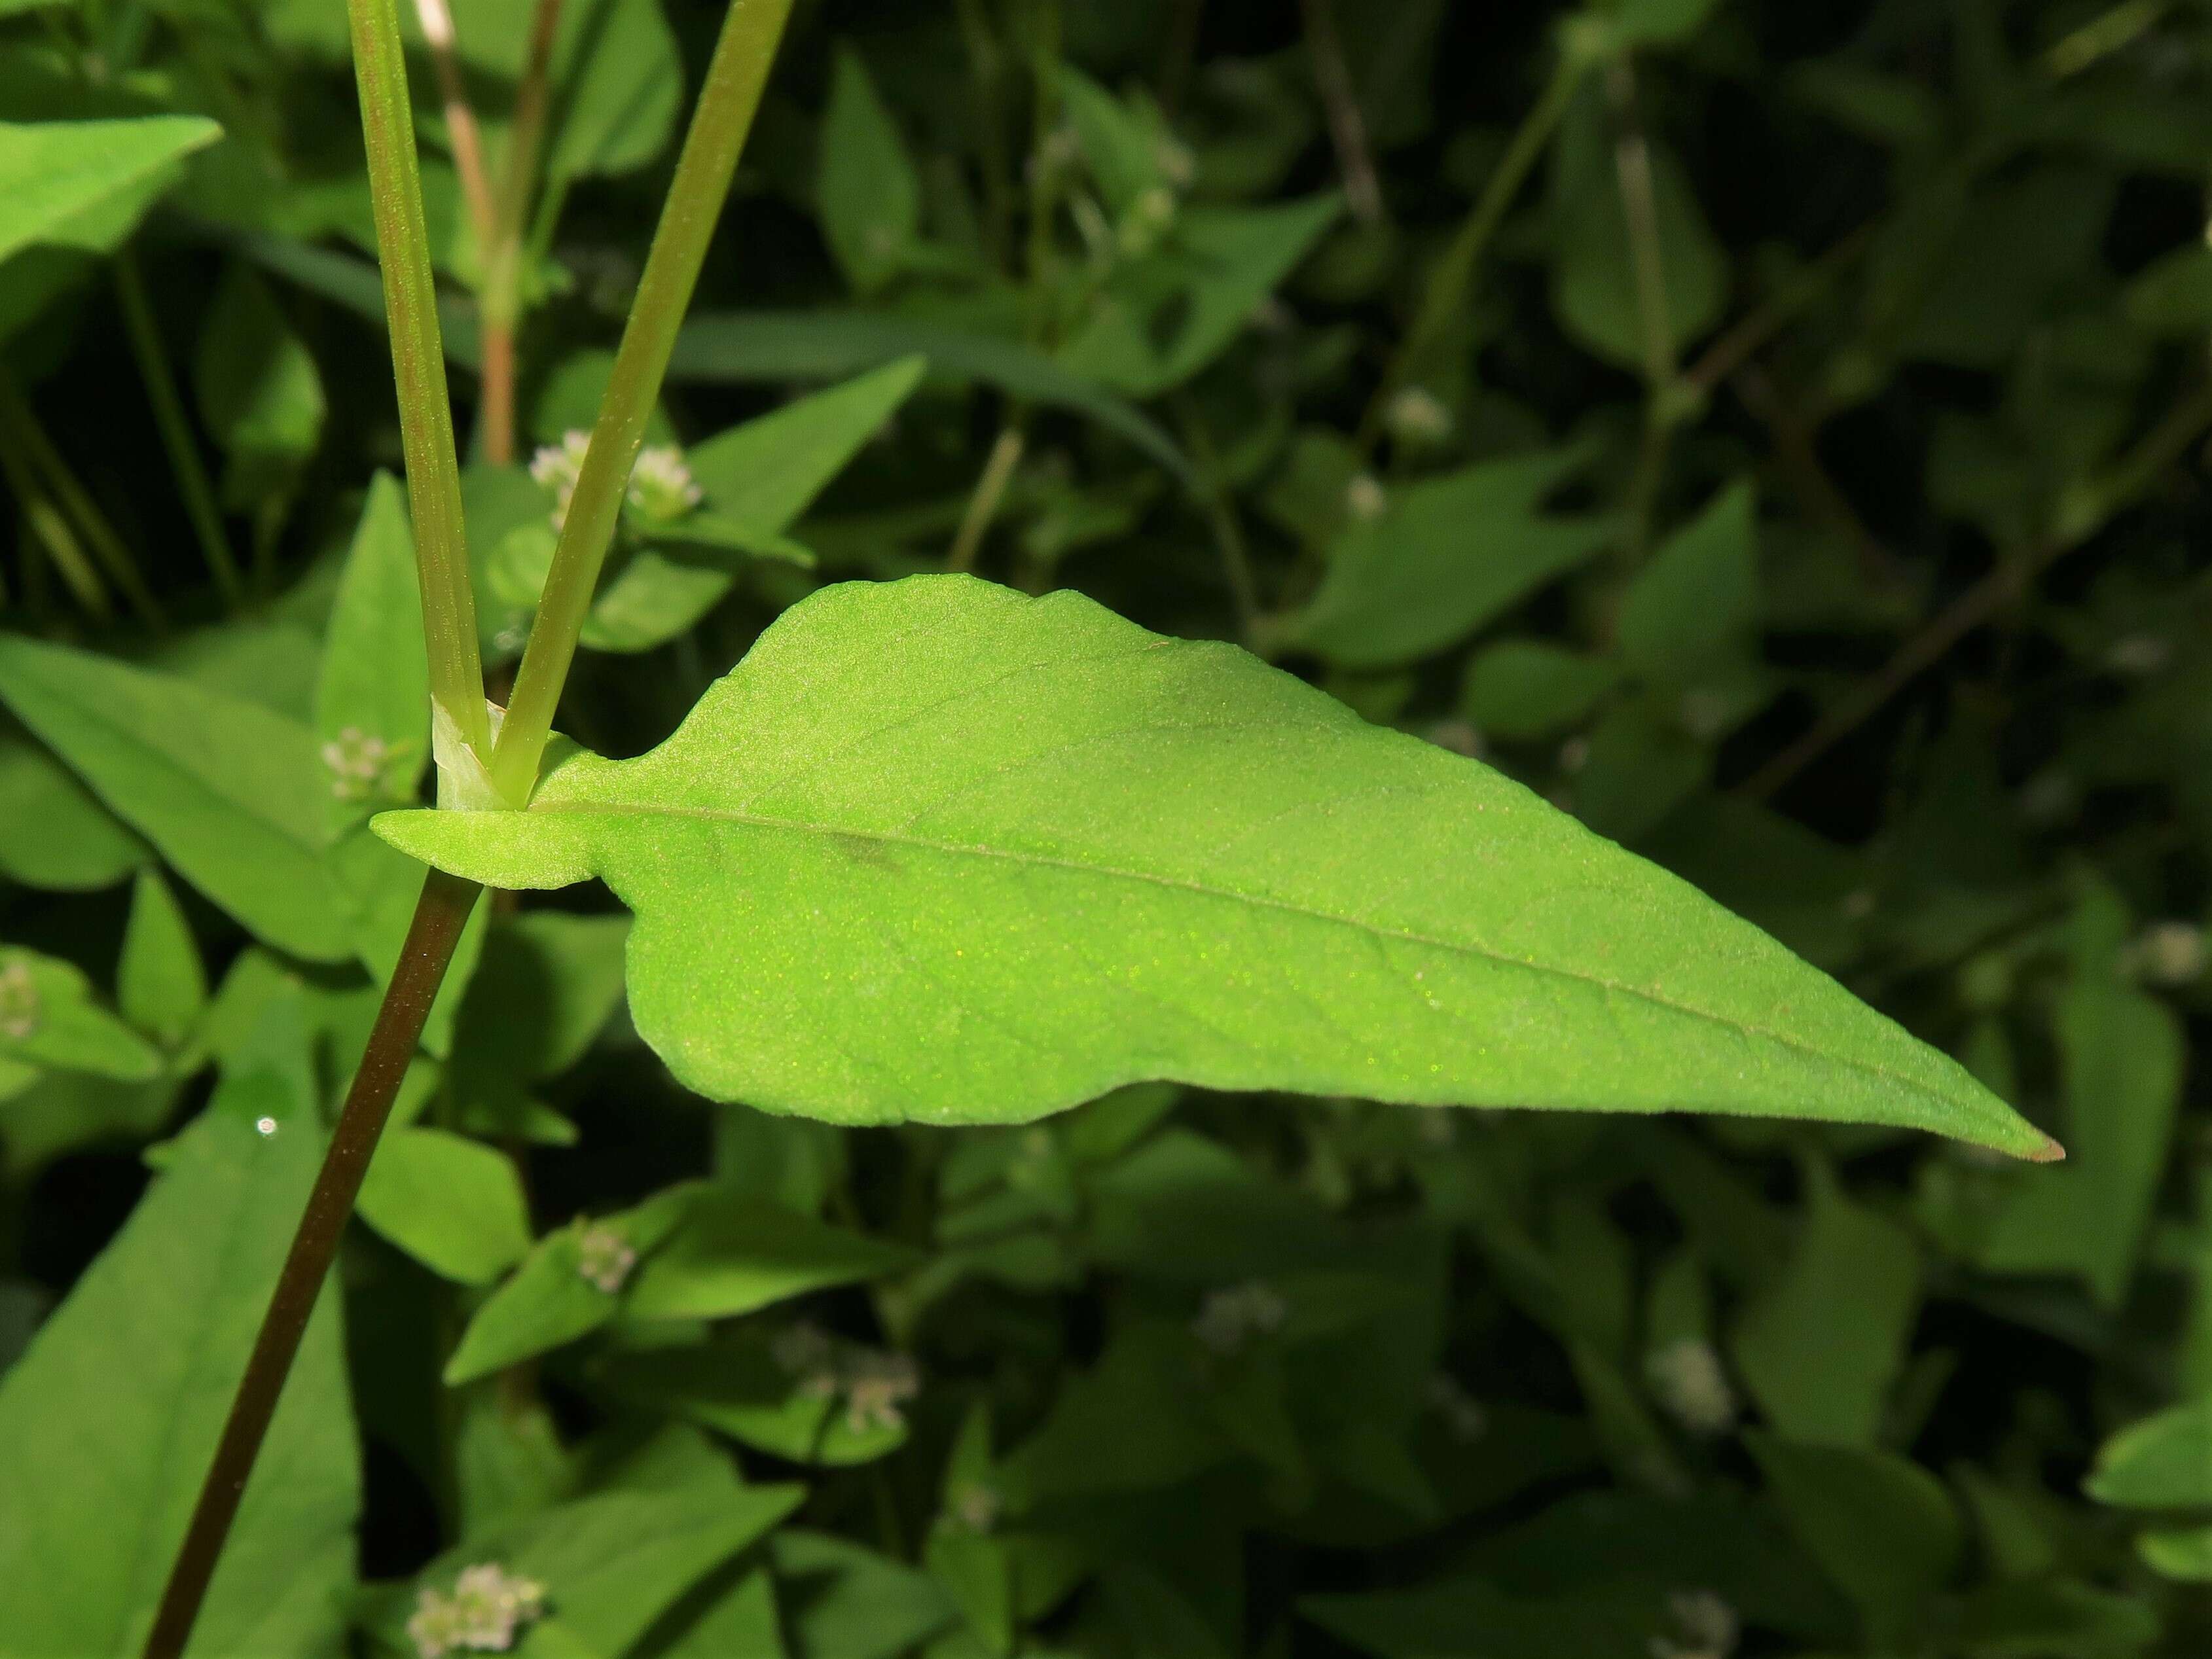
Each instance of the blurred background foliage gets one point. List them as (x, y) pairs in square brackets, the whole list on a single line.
[(1773, 431)]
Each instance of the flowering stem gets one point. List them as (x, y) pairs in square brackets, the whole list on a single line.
[(418, 362), (1443, 296), (439, 915), (751, 31), (499, 297)]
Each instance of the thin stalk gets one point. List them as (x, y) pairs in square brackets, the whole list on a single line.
[(51, 527), (2103, 35), (1339, 100), (1639, 207), (1452, 279), (990, 490), (1640, 210), (1218, 502), (21, 427), (439, 915), (499, 297), (1043, 172), (418, 363), (176, 430), (437, 20), (2078, 519), (751, 32)]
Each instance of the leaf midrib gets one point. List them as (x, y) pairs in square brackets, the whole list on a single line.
[(925, 844)]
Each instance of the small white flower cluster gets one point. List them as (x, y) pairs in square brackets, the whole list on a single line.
[(1464, 1419), (19, 1000), (356, 761), (1365, 499), (2169, 954), (1705, 1627), (661, 486), (1687, 1377), (1228, 1319), (605, 1257), (2138, 654), (1418, 415), (876, 1384), (486, 1605), (975, 1506)]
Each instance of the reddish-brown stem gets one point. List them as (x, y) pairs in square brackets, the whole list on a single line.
[(495, 410), (439, 915)]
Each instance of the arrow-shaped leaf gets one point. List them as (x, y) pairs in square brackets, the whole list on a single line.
[(941, 851)]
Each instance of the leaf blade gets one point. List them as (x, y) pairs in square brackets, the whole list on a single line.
[(933, 773)]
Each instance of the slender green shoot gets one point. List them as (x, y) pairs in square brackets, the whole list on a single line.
[(176, 429), (458, 720), (19, 427), (751, 32), (50, 526), (990, 490)]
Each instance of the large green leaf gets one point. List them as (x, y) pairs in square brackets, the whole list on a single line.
[(107, 1422), (938, 850), (227, 789), (60, 181)]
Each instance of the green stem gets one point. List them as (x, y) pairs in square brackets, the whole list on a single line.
[(990, 489), (751, 32), (1452, 279), (418, 363), (51, 526), (169, 405), (21, 427)]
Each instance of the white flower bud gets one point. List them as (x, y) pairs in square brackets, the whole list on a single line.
[(605, 1257), (1687, 1377), (19, 1000)]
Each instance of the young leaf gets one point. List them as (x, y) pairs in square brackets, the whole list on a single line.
[(2164, 1462), (373, 699), (1444, 556), (869, 195), (735, 1252), (453, 1204), (562, 1290), (107, 1423), (2126, 1058), (53, 831), (1695, 604), (227, 789), (762, 476), (259, 390), (941, 851), (67, 181), (159, 984), (1880, 1525), (848, 1602), (1180, 308), (788, 345), (1820, 1347), (48, 1018), (610, 1564)]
